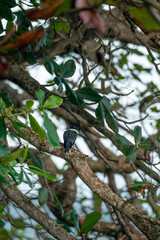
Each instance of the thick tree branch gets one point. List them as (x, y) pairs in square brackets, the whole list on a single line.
[(79, 163), (26, 205), (19, 76)]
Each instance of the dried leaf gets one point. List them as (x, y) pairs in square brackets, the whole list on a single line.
[(142, 189), (47, 11), (25, 39)]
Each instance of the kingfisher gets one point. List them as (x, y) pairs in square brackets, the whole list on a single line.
[(70, 136)]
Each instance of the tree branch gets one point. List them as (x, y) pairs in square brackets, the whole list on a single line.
[(26, 205), (79, 163)]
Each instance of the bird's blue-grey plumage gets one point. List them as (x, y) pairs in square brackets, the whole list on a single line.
[(70, 136)]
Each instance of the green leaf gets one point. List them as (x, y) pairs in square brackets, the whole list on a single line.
[(13, 163), (3, 151), (3, 131), (130, 153), (73, 96), (107, 104), (90, 94), (58, 82), (136, 51), (41, 173), (18, 129), (64, 226), (144, 19), (66, 27), (4, 170), (25, 154), (5, 11), (14, 175), (53, 102), (20, 177), (122, 141), (68, 69), (29, 55), (137, 134), (36, 128), (100, 114), (13, 156), (66, 5), (17, 124), (28, 179), (42, 196), (147, 144), (2, 106), (3, 180), (40, 94), (57, 203), (31, 158), (57, 68), (23, 22), (10, 3), (75, 220), (51, 131), (137, 185), (110, 120), (58, 26), (29, 104), (6, 99), (40, 162), (2, 223), (90, 221), (49, 66), (9, 110)]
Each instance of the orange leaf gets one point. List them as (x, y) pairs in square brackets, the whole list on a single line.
[(47, 11), (25, 39)]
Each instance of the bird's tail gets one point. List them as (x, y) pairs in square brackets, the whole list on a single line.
[(66, 147)]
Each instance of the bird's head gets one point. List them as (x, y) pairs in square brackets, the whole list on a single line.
[(76, 127)]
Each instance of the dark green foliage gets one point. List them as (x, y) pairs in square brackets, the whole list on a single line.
[(67, 69), (42, 196), (137, 185), (137, 134), (4, 151), (51, 131), (72, 95), (130, 153), (124, 142), (3, 131), (40, 94), (90, 221), (100, 114), (36, 127), (90, 94), (147, 144)]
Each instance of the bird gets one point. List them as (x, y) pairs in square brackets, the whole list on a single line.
[(70, 136)]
